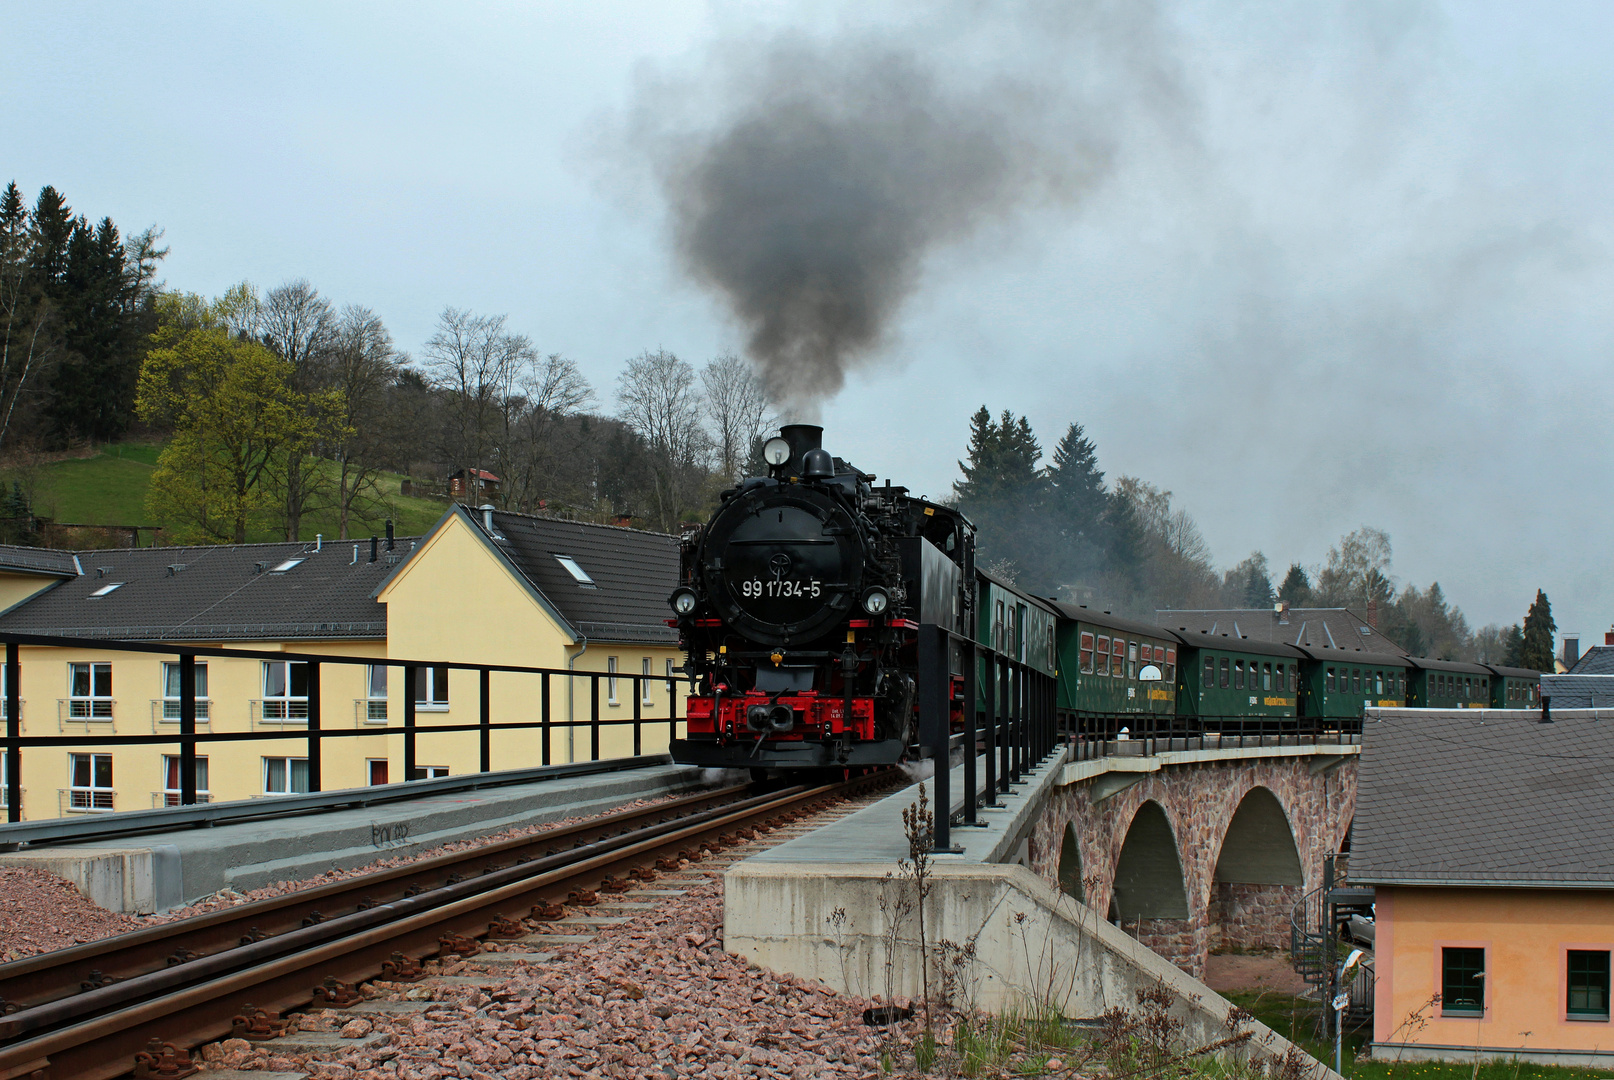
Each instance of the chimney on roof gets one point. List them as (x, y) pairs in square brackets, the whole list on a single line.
[(1282, 608), (1373, 613), (374, 545), (487, 516), (390, 542), (1571, 647), (1608, 636)]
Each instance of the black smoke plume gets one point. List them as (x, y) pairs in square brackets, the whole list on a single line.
[(821, 173)]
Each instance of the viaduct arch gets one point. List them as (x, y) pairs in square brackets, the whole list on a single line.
[(1197, 856)]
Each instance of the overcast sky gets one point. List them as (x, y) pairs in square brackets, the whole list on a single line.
[(1326, 264)]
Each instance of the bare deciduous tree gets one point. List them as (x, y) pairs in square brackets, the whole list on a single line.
[(547, 390), (298, 324), (475, 361), (738, 409), (363, 366), (659, 397)]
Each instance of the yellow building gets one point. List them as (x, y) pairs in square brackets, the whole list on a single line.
[(481, 588)]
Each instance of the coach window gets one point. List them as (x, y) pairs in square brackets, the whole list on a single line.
[(1022, 643), (1053, 650), (1378, 683), (1328, 680), (1118, 663), (997, 626), (1132, 660), (1171, 666), (1103, 655), (1238, 674), (1294, 679), (1266, 676), (1226, 664), (1210, 672), (1009, 635), (1087, 653)]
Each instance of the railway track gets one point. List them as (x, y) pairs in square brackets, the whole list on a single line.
[(87, 1012)]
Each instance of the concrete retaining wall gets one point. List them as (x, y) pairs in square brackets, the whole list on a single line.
[(1032, 941)]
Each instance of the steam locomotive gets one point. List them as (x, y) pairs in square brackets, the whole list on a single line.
[(798, 606)]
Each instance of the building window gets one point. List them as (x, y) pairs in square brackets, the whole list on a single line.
[(1086, 653), (429, 772), (431, 687), (375, 771), (171, 775), (1103, 655), (91, 778), (171, 692), (89, 692), (285, 693), (671, 676), (1462, 982), (375, 695), (644, 685), (285, 775), (1588, 983), (610, 682)]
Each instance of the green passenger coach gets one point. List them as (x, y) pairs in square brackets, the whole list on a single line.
[(1340, 683), (1515, 688), (1448, 684), (1225, 677), (1102, 661)]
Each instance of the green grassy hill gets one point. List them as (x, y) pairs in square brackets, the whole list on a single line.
[(109, 488)]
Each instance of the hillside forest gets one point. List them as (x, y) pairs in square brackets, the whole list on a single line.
[(274, 412)]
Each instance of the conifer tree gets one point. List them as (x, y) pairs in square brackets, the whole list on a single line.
[(1513, 647), (1536, 649), (1296, 587)]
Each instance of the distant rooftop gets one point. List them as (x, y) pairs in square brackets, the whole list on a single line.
[(1324, 628)]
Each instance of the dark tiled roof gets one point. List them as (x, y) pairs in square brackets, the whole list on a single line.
[(32, 560), (1597, 660), (224, 592), (1448, 797), (1579, 691), (633, 573), (1327, 628), (1081, 613)]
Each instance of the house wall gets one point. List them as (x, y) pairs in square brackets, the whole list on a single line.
[(457, 601), (15, 587), (1525, 933)]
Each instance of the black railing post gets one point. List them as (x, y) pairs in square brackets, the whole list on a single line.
[(672, 711), (543, 715), (13, 733), (594, 719), (989, 789), (1006, 731), (315, 777), (934, 689), (638, 701), (187, 727), (486, 719), (409, 721), (971, 723)]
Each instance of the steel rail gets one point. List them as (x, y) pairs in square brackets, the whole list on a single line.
[(103, 1047), (38, 980)]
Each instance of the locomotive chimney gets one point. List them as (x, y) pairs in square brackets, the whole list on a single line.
[(802, 438)]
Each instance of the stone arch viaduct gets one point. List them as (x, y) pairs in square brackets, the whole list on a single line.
[(1195, 851)]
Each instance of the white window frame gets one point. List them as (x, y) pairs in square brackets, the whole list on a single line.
[(375, 704), (644, 684), (432, 680), (171, 701), (610, 682), (172, 763), (91, 706), (93, 798), (287, 764), (287, 707), (430, 772)]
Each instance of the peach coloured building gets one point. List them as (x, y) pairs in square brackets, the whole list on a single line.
[(1489, 841)]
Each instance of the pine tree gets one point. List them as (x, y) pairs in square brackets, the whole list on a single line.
[(1003, 491), (1513, 647), (1536, 650), (1077, 508), (1296, 587)]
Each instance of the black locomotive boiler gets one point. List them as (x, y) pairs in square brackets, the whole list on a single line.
[(798, 606)]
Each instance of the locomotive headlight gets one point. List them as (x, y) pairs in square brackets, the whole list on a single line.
[(776, 451), (683, 601), (875, 601)]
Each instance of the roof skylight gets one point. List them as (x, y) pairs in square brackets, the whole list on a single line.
[(576, 571), (283, 567), (105, 589)]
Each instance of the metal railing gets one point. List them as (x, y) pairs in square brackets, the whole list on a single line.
[(1095, 734), (1007, 722), (543, 710)]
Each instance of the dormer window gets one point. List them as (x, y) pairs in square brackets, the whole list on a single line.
[(105, 590), (578, 573), (287, 565)]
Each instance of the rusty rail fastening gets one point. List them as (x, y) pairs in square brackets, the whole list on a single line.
[(148, 1022)]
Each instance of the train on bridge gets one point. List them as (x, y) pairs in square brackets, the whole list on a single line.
[(800, 604)]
